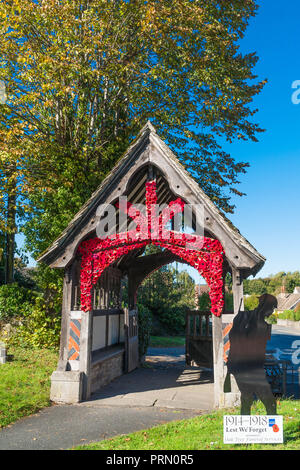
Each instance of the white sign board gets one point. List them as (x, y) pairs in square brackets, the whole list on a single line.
[(250, 429)]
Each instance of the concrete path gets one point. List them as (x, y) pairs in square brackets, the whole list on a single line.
[(162, 391), (164, 381), (170, 387)]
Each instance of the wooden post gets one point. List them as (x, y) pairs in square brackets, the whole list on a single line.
[(220, 369), (219, 399), (238, 305), (65, 319), (237, 290)]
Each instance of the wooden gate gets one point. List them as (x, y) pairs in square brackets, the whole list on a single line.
[(198, 344), (131, 340)]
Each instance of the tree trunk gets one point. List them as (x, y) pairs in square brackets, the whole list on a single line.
[(10, 235)]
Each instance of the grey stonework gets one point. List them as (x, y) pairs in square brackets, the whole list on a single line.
[(103, 372), (2, 353), (66, 387)]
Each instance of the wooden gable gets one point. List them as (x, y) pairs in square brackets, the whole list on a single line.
[(128, 178)]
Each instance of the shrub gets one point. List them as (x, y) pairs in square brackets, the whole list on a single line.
[(145, 323), (39, 325), (173, 320), (289, 315), (204, 301), (38, 329), (15, 301), (297, 315), (272, 319), (251, 302), (229, 302)]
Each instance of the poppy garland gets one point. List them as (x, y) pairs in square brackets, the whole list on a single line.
[(203, 253)]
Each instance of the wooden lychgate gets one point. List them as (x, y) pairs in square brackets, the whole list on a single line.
[(198, 343)]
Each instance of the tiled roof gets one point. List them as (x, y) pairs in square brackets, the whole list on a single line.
[(288, 301)]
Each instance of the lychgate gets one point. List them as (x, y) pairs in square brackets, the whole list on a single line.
[(138, 204)]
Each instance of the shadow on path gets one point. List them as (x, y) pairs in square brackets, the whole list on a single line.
[(163, 381)]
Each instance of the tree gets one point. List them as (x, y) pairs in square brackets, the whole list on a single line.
[(251, 302), (167, 293), (273, 284), (255, 286), (9, 185), (82, 78)]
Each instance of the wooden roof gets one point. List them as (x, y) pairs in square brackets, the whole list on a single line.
[(128, 177), (288, 301)]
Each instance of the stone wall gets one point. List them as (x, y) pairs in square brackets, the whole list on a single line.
[(105, 370), (2, 353), (290, 323)]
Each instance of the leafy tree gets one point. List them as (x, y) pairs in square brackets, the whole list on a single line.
[(251, 302), (273, 284), (204, 302), (167, 293), (15, 302), (9, 188), (82, 77), (255, 286)]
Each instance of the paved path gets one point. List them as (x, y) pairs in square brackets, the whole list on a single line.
[(162, 391), (165, 386), (65, 426)]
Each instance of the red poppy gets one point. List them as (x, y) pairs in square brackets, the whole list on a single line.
[(150, 229)]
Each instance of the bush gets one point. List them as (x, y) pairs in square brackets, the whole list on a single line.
[(272, 319), (145, 323), (15, 301), (204, 302), (173, 320), (297, 315), (289, 315), (251, 302), (38, 326), (38, 329)]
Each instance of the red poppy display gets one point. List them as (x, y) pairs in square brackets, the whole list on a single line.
[(203, 253)]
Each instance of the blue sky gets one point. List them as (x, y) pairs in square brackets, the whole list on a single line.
[(269, 215)]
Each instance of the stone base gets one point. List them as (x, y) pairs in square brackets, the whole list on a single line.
[(106, 369), (66, 387), (232, 400), (227, 400)]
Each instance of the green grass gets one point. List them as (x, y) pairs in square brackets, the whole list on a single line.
[(25, 383), (167, 341), (203, 433)]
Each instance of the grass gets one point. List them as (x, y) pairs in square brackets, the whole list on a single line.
[(203, 433), (167, 341), (25, 383)]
